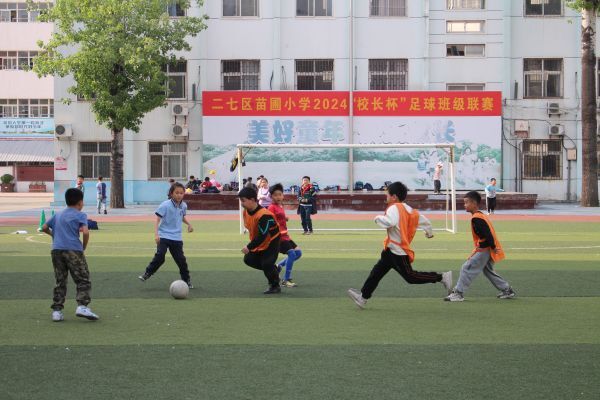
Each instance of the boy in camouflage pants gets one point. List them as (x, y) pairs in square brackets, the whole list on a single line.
[(67, 255)]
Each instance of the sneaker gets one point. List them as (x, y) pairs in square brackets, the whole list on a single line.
[(454, 296), (190, 285), (57, 316), (273, 290), (507, 294), (356, 296), (289, 283), (310, 233), (144, 277), (84, 312), (305, 233), (447, 281)]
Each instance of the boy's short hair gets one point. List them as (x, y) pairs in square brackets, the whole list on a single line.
[(248, 193), (276, 187), (80, 176), (73, 196), (493, 179), (306, 177), (100, 178), (399, 189), (473, 195)]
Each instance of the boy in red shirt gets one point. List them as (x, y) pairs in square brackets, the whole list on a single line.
[(286, 244)]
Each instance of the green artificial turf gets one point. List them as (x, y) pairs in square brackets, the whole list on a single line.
[(227, 341)]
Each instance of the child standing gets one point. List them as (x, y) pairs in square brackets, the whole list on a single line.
[(437, 175), (490, 196), (79, 183), (261, 252), (67, 255), (487, 252), (264, 194), (286, 244), (101, 194), (306, 204), (167, 234), (401, 222)]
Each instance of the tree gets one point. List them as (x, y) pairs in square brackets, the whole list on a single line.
[(589, 190), (116, 51)]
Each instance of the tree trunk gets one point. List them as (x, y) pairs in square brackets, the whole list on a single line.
[(589, 190), (116, 170)]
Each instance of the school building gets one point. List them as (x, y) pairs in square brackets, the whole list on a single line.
[(527, 50)]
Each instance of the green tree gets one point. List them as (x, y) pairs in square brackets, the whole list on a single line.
[(589, 190), (116, 51)]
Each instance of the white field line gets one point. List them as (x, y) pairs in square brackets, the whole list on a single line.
[(32, 240)]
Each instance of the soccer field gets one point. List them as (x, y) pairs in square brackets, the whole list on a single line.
[(229, 341)]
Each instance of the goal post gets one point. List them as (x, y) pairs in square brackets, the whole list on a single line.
[(449, 188)]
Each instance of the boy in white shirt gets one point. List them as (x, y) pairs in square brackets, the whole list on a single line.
[(401, 222)]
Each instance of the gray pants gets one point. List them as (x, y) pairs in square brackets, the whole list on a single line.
[(479, 262), (101, 203)]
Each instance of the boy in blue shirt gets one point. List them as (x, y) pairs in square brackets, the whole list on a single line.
[(167, 234), (67, 255), (490, 196)]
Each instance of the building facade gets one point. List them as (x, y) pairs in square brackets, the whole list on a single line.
[(26, 101), (527, 49)]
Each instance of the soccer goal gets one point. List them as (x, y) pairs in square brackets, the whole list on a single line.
[(417, 170)]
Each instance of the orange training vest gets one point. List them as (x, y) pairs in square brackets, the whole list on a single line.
[(408, 224), (496, 255), (251, 223)]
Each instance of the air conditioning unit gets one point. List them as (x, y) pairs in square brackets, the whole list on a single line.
[(179, 130), (179, 110), (554, 109), (62, 131), (556, 130)]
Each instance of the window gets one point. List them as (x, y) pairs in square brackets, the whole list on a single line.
[(240, 8), (543, 78), (314, 74), (388, 74), (465, 4), (240, 74), (388, 8), (466, 87), (313, 8), (542, 159), (26, 108), (167, 160), (17, 59), (175, 10), (176, 73), (17, 12), (464, 26), (543, 7), (94, 159), (465, 50)]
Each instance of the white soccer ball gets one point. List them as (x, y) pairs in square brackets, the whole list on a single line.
[(179, 289)]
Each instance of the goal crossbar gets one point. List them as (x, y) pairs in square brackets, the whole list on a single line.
[(451, 224)]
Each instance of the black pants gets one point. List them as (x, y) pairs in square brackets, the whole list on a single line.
[(402, 265), (265, 261), (305, 213), (175, 247), (491, 203), (437, 186)]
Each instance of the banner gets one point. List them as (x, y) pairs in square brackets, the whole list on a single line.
[(26, 125), (470, 120)]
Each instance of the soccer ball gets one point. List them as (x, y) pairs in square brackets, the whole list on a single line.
[(179, 289)]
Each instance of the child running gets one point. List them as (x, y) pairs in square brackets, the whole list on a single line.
[(261, 252), (67, 255), (167, 234), (401, 222), (487, 252), (286, 244)]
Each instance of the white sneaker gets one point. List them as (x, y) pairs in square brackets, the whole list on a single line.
[(356, 296), (57, 316), (454, 296), (447, 281), (84, 312)]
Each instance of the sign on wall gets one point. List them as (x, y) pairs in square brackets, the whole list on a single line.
[(26, 125), (470, 120)]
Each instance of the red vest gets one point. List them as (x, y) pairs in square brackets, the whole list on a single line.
[(251, 223), (408, 224), (498, 253)]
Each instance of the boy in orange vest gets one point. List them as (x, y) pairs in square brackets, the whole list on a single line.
[(401, 222), (262, 251), (487, 252)]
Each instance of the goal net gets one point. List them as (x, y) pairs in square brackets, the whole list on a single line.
[(350, 167)]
